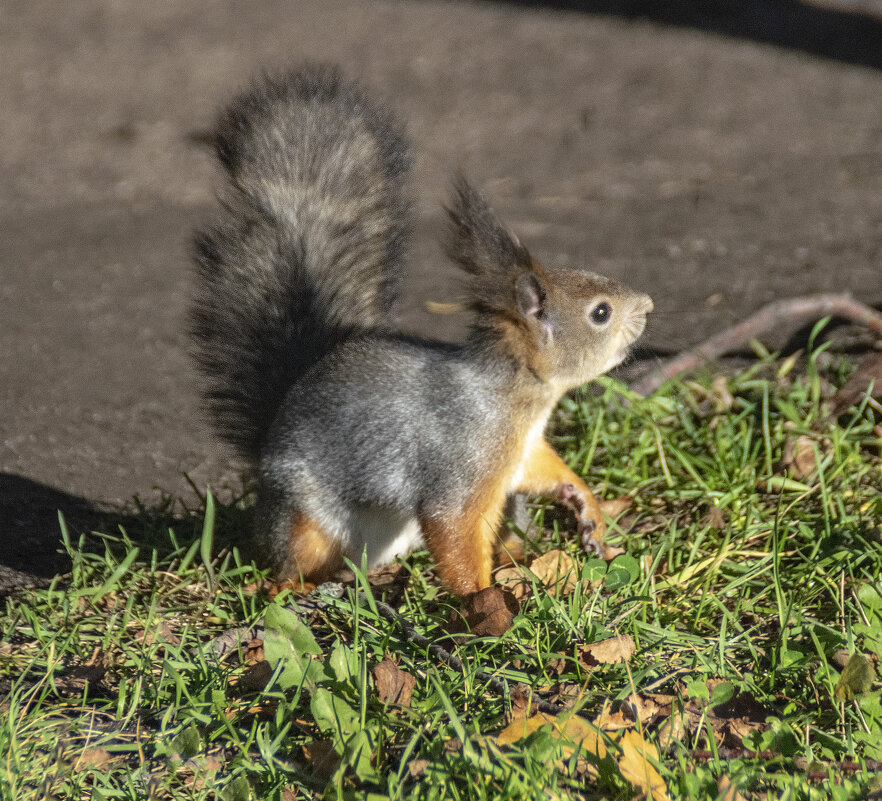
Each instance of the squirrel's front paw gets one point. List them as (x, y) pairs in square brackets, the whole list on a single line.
[(588, 537), (591, 525)]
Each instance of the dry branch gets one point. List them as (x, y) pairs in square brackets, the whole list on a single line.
[(790, 312)]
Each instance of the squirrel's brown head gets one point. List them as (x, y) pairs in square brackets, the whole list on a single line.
[(567, 325), (590, 322)]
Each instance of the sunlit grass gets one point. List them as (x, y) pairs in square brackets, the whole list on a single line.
[(736, 571)]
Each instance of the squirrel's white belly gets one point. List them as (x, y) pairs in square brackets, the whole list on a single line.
[(382, 533)]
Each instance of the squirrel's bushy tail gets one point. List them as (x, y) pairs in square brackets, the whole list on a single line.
[(310, 243)]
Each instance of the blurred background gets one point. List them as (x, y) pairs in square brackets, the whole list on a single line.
[(716, 154)]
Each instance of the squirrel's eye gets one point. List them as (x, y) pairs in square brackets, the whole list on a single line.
[(600, 314)]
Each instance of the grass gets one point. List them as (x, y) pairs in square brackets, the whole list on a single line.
[(741, 588)]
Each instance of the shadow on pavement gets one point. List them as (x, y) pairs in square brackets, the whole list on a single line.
[(31, 545), (840, 35)]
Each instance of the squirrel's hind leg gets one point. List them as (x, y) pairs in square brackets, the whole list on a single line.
[(461, 543), (311, 556)]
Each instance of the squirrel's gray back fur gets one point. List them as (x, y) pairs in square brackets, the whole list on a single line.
[(310, 244)]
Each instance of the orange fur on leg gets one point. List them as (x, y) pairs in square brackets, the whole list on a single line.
[(545, 473), (313, 555), (462, 545)]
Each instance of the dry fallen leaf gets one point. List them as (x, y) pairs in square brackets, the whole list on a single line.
[(416, 766), (607, 652), (613, 507), (574, 732), (636, 766), (521, 728), (647, 708), (489, 612), (557, 571), (608, 720), (388, 574), (512, 579), (554, 570), (726, 791), (93, 759), (253, 652), (394, 685), (672, 731), (798, 458), (715, 518)]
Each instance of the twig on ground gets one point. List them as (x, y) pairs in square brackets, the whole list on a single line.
[(791, 311)]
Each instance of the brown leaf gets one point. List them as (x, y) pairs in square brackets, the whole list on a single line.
[(416, 766), (556, 571), (607, 652), (522, 703), (290, 794), (388, 574), (726, 791), (645, 708), (613, 507), (869, 370), (556, 665), (672, 731), (83, 676), (574, 732), (736, 729), (93, 758), (608, 720), (798, 458), (636, 766), (715, 518), (163, 633), (489, 612), (253, 652), (512, 580), (394, 685), (521, 728), (610, 552)]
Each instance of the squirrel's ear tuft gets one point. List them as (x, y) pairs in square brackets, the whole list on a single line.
[(478, 242)]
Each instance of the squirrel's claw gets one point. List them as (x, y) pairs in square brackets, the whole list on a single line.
[(587, 537)]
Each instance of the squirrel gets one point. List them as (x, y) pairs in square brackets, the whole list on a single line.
[(363, 438)]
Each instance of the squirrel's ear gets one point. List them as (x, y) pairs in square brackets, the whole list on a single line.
[(531, 296), (478, 242)]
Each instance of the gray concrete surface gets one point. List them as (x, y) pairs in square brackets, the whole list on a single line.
[(714, 171)]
